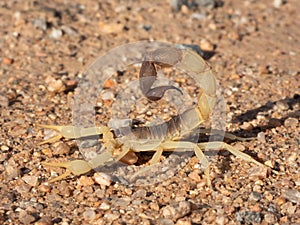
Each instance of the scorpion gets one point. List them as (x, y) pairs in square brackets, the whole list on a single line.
[(158, 138)]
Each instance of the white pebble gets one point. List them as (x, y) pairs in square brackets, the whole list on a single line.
[(278, 3), (104, 206), (56, 33), (102, 179)]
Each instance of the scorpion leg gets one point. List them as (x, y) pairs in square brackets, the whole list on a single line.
[(155, 158), (183, 145), (232, 150), (170, 146), (212, 145)]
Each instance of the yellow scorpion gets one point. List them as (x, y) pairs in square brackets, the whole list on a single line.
[(158, 138)]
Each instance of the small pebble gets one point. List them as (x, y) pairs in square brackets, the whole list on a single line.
[(8, 60), (282, 105), (269, 163), (23, 188), (292, 195), (194, 175), (291, 122), (177, 210), (104, 206), (184, 221), (247, 126), (69, 30), (107, 95), (255, 196), (184, 9), (4, 148), (89, 214), (154, 206), (147, 27), (31, 180), (102, 179), (234, 76), (141, 193), (206, 45), (3, 157), (4, 101), (169, 212), (40, 23), (270, 218), (54, 85), (111, 217), (61, 148), (85, 181), (248, 217), (123, 202), (263, 70), (278, 3), (221, 220), (26, 218), (56, 34), (128, 191), (12, 171), (163, 221), (109, 83), (109, 28), (44, 221), (71, 84), (261, 137), (258, 172), (280, 200), (44, 188), (120, 8)]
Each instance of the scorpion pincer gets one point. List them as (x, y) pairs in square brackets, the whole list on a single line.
[(158, 138)]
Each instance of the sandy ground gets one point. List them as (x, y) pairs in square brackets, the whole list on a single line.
[(45, 47)]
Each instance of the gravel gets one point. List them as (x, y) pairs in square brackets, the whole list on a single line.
[(45, 49)]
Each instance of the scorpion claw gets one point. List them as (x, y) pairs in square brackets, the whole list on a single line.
[(76, 167), (54, 138), (51, 127)]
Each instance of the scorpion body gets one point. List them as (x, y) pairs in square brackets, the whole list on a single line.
[(158, 138), (177, 126)]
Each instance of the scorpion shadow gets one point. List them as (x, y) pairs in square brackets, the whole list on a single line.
[(272, 123), (253, 132)]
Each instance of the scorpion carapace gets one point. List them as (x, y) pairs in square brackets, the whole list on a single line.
[(163, 137)]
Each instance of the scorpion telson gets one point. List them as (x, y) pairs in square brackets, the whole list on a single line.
[(152, 139), (148, 72)]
